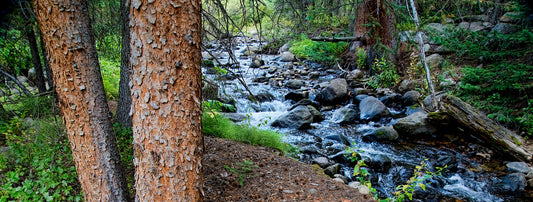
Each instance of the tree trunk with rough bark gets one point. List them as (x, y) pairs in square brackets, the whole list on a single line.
[(166, 98), (123, 115), (65, 27), (375, 24), (498, 137), (36, 60)]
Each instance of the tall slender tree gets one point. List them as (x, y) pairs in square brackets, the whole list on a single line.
[(123, 115), (65, 28), (36, 60), (166, 98)]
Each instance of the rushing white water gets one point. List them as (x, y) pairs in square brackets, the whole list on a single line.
[(404, 156)]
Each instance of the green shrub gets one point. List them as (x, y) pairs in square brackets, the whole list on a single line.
[(385, 76), (33, 106), (38, 165), (323, 52), (111, 77), (216, 125), (501, 90)]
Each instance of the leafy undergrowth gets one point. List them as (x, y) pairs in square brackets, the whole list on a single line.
[(37, 165), (502, 86), (323, 52)]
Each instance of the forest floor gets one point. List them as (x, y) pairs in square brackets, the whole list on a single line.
[(266, 175)]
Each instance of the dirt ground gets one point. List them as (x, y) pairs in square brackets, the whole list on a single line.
[(271, 176)]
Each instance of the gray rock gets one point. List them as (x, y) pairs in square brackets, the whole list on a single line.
[(361, 91), (339, 138), (478, 26), (371, 108), (410, 97), (379, 162), (354, 75), (309, 149), (520, 167), (463, 26), (314, 75), (384, 133), (264, 97), (436, 27), (332, 170), (287, 57), (512, 183), (363, 189), (284, 48), (428, 101), (435, 61), (361, 97), (235, 117), (448, 82), (511, 17), (414, 125), (323, 162), (294, 84), (345, 114), (299, 117), (335, 92), (354, 184), (341, 178), (505, 28), (406, 85), (257, 62), (296, 96)]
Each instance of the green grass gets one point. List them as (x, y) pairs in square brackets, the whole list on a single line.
[(111, 77), (216, 125)]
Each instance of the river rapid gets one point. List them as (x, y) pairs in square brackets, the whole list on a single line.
[(472, 172)]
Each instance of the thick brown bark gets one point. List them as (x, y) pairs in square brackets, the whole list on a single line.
[(166, 97), (66, 32), (375, 23), (36, 60), (123, 116)]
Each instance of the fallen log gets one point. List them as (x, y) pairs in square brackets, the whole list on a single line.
[(495, 136), (337, 39)]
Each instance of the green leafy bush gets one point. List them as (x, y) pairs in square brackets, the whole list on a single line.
[(38, 165), (111, 77), (503, 91), (323, 52), (33, 106), (385, 76)]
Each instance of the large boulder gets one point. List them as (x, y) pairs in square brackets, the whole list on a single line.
[(371, 108), (345, 114), (335, 92), (300, 117), (505, 28), (416, 124), (410, 97), (287, 57), (294, 84), (434, 61), (384, 133), (512, 183)]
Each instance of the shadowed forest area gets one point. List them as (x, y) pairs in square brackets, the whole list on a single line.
[(328, 100)]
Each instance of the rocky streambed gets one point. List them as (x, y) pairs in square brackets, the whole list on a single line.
[(323, 111)]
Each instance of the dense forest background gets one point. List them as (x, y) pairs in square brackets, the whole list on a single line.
[(489, 66)]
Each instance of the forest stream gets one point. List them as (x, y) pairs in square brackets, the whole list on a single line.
[(470, 171)]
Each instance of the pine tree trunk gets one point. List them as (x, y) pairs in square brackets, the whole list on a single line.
[(123, 115), (47, 65), (375, 24), (36, 60), (166, 97), (65, 27)]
